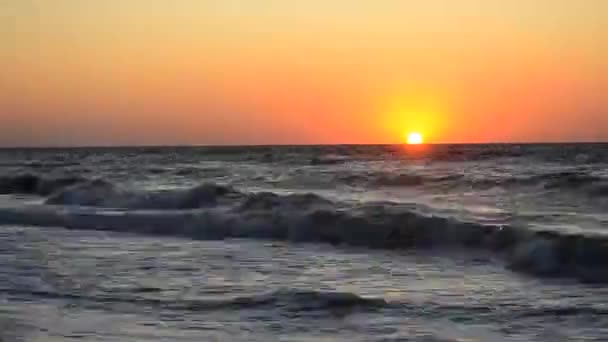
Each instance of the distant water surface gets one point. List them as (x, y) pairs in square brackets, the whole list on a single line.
[(305, 243)]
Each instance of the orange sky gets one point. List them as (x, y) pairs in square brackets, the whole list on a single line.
[(122, 72)]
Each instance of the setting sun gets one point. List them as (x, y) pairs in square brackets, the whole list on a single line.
[(414, 138)]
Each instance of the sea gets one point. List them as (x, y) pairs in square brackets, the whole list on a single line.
[(434, 243)]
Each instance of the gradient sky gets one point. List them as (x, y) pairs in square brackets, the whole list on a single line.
[(122, 72)]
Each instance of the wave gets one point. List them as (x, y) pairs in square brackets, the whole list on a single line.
[(565, 310), (30, 184), (103, 194), (562, 180), (79, 190), (404, 179), (290, 301), (287, 299), (300, 300), (330, 159), (100, 193), (600, 190), (212, 211), (38, 164), (589, 183), (387, 179)]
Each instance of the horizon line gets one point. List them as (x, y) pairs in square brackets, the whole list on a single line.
[(93, 146)]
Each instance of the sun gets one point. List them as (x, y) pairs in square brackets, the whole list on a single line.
[(414, 138)]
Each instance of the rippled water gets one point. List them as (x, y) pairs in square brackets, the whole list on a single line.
[(360, 243), (99, 286)]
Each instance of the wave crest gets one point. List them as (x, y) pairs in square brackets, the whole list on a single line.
[(100, 193), (213, 211)]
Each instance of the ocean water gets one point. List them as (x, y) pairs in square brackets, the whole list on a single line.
[(314, 243)]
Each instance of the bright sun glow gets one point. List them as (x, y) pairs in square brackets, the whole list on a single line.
[(414, 138)]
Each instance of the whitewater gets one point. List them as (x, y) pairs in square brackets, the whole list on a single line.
[(305, 243)]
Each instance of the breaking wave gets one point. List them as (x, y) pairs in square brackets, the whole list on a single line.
[(212, 211), (100, 193)]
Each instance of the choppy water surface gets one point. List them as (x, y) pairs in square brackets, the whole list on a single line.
[(362, 243)]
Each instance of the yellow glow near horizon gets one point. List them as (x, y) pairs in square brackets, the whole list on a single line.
[(414, 138), (414, 115)]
